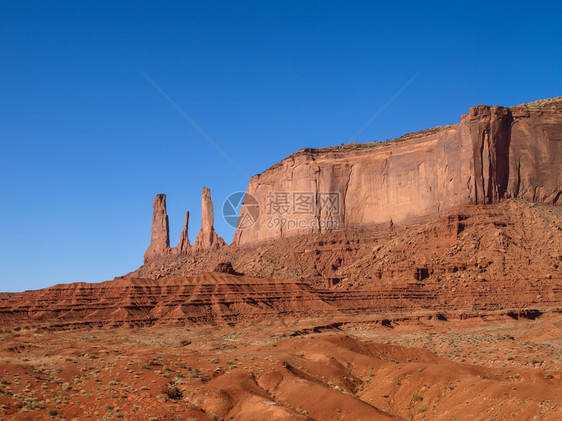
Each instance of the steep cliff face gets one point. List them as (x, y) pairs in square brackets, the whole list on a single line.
[(494, 152), (487, 130), (535, 154)]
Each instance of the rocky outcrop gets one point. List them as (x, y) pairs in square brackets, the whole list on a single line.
[(494, 152), (226, 267), (207, 239), (505, 246), (184, 247), (160, 234)]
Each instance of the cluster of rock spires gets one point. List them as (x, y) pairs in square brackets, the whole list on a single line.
[(207, 238)]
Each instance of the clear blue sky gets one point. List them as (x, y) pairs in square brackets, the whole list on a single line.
[(87, 141)]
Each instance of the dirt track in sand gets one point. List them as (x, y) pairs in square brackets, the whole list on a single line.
[(473, 369)]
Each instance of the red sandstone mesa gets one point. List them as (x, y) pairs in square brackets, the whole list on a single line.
[(494, 152)]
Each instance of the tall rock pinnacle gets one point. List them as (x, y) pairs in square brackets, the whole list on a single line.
[(160, 234), (183, 245), (207, 237)]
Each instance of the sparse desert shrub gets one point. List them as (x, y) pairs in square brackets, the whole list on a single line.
[(52, 412), (32, 405), (417, 398), (171, 391)]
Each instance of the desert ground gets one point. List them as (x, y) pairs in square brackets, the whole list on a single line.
[(488, 368)]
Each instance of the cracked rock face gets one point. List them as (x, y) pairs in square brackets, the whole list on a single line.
[(160, 234), (494, 152)]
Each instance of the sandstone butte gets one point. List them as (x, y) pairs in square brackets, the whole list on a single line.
[(492, 154)]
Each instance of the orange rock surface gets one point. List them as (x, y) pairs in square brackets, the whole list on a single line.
[(494, 152)]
